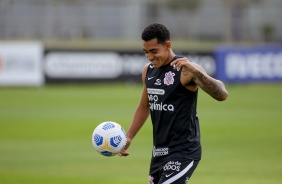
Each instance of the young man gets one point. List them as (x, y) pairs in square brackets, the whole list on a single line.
[(170, 96)]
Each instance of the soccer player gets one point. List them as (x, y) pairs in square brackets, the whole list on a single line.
[(169, 95)]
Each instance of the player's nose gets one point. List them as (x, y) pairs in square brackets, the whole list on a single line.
[(149, 56)]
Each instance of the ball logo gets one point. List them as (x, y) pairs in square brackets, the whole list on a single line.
[(108, 126), (115, 141), (98, 139)]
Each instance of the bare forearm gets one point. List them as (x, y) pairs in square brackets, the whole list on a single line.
[(213, 87), (139, 119)]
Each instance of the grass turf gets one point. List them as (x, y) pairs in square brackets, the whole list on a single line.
[(45, 135)]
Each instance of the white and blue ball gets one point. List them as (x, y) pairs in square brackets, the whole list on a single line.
[(109, 138)]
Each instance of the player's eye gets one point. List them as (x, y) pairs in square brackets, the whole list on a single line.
[(154, 51), (145, 52)]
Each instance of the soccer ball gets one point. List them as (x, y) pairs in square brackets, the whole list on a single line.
[(109, 138)]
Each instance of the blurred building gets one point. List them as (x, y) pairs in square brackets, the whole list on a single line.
[(222, 20)]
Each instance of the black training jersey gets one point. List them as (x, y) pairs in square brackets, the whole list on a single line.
[(173, 113)]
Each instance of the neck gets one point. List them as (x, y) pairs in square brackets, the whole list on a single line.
[(170, 56)]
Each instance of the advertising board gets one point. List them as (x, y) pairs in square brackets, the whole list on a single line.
[(249, 64), (21, 64), (78, 66)]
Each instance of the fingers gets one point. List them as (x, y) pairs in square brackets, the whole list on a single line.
[(176, 64), (123, 153), (180, 62), (176, 68)]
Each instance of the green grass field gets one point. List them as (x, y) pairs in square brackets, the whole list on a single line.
[(45, 135)]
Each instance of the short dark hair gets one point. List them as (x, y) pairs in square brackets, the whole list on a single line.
[(156, 30)]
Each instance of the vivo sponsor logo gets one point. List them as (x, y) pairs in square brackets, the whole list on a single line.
[(254, 65), (157, 152), (155, 91), (172, 166)]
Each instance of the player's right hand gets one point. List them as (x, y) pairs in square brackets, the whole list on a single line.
[(124, 153)]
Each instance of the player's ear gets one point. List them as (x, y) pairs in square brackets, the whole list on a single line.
[(168, 44)]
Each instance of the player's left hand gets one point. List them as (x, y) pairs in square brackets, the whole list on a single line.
[(183, 63)]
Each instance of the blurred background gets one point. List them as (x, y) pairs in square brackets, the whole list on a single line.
[(252, 21), (68, 65), (67, 37)]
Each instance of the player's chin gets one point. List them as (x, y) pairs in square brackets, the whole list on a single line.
[(156, 65)]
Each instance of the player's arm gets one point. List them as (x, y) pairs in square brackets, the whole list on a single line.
[(215, 88), (141, 114)]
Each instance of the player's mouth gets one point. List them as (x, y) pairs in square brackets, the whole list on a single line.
[(154, 62)]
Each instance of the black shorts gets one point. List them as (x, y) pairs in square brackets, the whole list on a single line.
[(172, 171)]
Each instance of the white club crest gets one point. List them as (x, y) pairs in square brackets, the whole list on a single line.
[(169, 78)]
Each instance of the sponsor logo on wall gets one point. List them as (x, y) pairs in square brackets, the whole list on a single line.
[(256, 64), (77, 65), (21, 64)]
